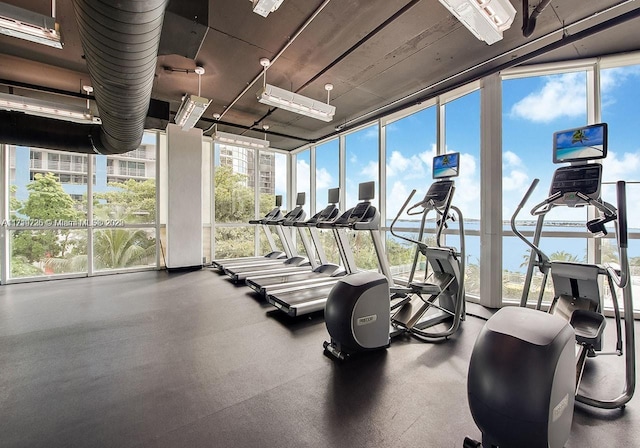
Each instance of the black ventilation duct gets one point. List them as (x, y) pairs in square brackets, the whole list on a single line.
[(120, 42)]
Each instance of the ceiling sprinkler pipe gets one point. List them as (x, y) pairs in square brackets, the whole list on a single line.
[(529, 21)]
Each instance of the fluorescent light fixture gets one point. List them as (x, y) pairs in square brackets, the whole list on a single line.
[(486, 19), (28, 25), (240, 140), (47, 109), (277, 97), (190, 111), (264, 7)]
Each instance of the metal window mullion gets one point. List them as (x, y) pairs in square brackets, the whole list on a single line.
[(382, 184), (312, 181), (256, 203), (342, 171), (594, 115), (90, 267), (158, 204), (441, 147), (212, 195), (4, 213)]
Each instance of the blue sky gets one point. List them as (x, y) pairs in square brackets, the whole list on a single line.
[(533, 109)]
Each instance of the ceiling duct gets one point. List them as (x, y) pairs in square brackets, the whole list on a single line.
[(120, 41)]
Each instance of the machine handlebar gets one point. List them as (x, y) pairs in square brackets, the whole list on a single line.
[(622, 214)]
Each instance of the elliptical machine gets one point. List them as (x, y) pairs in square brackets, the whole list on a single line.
[(358, 309), (524, 374), (439, 297)]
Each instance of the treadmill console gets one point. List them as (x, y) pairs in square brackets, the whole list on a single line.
[(438, 192), (569, 180), (359, 212)]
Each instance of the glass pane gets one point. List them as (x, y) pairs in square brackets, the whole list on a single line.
[(47, 189), (47, 252), (270, 170), (234, 198), (462, 134), (533, 109), (363, 250), (411, 145), (126, 190), (327, 174), (620, 110), (362, 162), (123, 248), (400, 254), (265, 248), (330, 246), (303, 176), (234, 242)]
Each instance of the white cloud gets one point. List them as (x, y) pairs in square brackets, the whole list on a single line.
[(561, 96), (428, 155), (467, 194), (514, 180), (398, 194), (370, 171), (399, 165), (615, 168), (302, 176), (612, 78), (511, 159), (324, 179), (370, 133), (281, 177)]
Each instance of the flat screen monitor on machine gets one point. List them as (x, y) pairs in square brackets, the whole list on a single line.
[(446, 165)]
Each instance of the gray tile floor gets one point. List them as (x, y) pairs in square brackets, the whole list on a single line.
[(189, 360)]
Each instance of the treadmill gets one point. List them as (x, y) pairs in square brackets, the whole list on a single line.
[(296, 301), (239, 273), (285, 236), (262, 284), (273, 215)]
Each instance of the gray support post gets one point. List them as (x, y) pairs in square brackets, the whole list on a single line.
[(491, 192)]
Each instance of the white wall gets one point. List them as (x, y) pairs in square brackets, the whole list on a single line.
[(184, 197)]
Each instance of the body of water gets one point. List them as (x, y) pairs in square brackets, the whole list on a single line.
[(514, 250)]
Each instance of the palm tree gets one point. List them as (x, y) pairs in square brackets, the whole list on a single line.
[(562, 255), (122, 248), (113, 249)]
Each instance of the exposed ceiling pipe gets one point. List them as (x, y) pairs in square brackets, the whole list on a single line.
[(529, 21), (120, 41)]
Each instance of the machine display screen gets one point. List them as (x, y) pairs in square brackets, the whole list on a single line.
[(446, 165), (585, 143)]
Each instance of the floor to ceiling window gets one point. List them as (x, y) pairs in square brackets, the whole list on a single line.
[(620, 110), (410, 148), (533, 109), (234, 202), (124, 208), (51, 228), (47, 212), (362, 154), (462, 134), (327, 177), (272, 182), (303, 178)]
